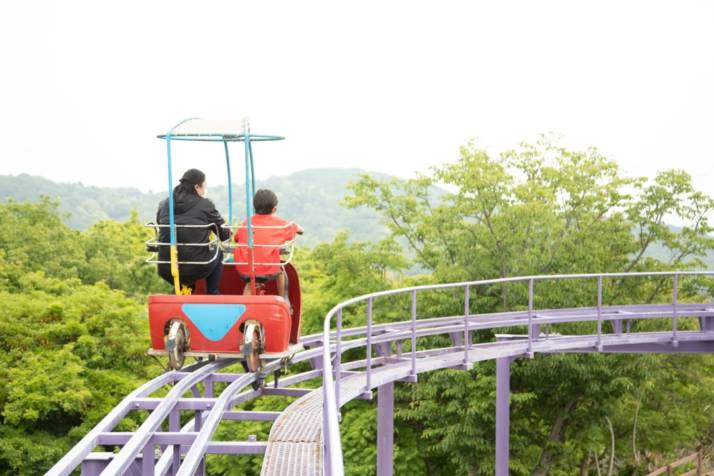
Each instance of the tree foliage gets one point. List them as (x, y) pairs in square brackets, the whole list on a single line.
[(544, 209), (70, 346), (73, 333)]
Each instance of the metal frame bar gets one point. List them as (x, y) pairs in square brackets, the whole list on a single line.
[(503, 391), (385, 429), (332, 446), (142, 437), (378, 372)]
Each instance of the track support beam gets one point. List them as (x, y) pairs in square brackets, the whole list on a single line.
[(385, 429), (503, 391)]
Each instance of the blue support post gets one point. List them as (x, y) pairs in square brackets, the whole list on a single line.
[(230, 184)]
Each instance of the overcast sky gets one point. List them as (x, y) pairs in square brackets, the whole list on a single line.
[(390, 86)]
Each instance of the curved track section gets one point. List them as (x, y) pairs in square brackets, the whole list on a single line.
[(304, 438)]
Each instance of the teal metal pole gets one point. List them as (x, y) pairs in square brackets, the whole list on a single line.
[(248, 189), (172, 226), (230, 184), (252, 171)]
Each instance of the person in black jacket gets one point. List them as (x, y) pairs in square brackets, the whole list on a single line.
[(192, 208)]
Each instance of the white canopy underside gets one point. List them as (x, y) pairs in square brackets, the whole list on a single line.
[(210, 127)]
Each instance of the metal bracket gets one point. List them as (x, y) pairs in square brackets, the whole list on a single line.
[(366, 395), (409, 379)]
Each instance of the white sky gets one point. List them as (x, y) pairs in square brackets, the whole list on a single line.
[(390, 86)]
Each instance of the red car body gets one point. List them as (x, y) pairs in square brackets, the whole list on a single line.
[(215, 323)]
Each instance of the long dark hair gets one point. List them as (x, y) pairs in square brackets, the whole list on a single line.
[(187, 184)]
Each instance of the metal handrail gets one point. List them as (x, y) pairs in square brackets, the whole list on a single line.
[(151, 242), (241, 245), (225, 245), (289, 244), (259, 227), (229, 245), (150, 259), (331, 388), (155, 243)]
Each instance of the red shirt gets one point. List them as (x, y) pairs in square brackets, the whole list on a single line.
[(283, 231)]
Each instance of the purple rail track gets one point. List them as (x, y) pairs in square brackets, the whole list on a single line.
[(335, 394), (304, 439)]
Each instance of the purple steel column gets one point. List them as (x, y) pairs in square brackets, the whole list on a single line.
[(174, 426), (368, 387), (148, 460), (467, 336), (675, 294), (94, 467), (338, 358), (599, 313), (327, 470), (385, 428), (503, 390), (530, 317), (414, 294)]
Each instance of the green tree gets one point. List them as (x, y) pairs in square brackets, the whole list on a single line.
[(336, 271), (68, 352), (33, 238), (70, 347), (115, 253), (544, 209)]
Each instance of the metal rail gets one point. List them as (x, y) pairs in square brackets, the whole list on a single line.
[(332, 392), (304, 438)]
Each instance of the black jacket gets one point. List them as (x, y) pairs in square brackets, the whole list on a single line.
[(189, 209)]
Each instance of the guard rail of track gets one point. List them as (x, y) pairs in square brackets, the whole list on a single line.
[(304, 438), (331, 401)]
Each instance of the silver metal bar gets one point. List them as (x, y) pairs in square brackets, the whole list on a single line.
[(215, 256), (258, 227), (157, 225), (214, 242), (282, 245)]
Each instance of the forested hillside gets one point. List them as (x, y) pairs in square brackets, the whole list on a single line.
[(73, 330), (310, 197)]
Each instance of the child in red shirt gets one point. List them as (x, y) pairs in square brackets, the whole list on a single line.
[(270, 232)]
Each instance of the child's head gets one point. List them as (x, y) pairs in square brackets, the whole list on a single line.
[(265, 202)]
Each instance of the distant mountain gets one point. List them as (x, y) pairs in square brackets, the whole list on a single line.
[(310, 197)]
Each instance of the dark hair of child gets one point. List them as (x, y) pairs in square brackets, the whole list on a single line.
[(187, 184), (264, 201)]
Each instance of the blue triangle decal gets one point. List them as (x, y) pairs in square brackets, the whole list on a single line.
[(214, 320)]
